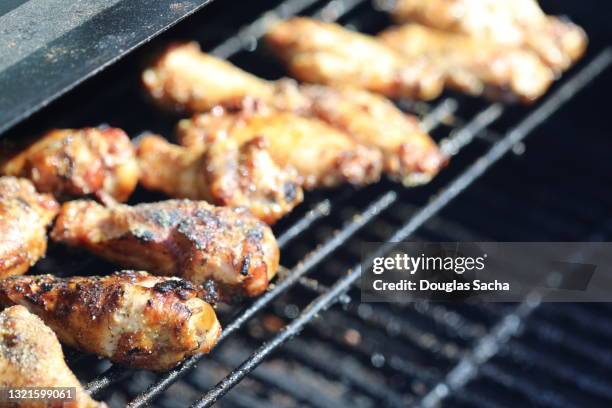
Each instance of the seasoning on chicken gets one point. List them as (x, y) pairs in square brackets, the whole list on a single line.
[(472, 65), (326, 53), (31, 356), (77, 162), (519, 23), (322, 155), (229, 173), (190, 239), (132, 318), (24, 217)]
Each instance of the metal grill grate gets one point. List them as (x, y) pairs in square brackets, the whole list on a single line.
[(429, 356)]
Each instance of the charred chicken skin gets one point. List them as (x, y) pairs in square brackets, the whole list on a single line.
[(190, 239), (519, 23), (229, 172), (322, 155), (24, 217), (31, 356), (471, 65), (77, 162), (326, 53), (132, 318)]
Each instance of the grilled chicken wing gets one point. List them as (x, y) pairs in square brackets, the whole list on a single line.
[(24, 216), (31, 356), (326, 53), (130, 317), (190, 239), (409, 154), (472, 65), (323, 156), (183, 78), (230, 173), (367, 118), (77, 162), (511, 22)]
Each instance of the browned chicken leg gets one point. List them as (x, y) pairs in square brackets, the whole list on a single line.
[(475, 66), (77, 162), (130, 317), (326, 53), (31, 356), (24, 216), (323, 156), (520, 23), (190, 239), (230, 172)]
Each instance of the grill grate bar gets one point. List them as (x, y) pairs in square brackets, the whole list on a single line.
[(451, 145), (368, 349), (532, 391), (579, 317), (300, 391), (485, 348), (577, 344), (438, 114), (335, 9), (310, 312), (320, 210), (246, 37), (301, 351), (583, 380)]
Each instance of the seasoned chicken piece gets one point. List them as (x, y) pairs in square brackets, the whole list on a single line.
[(410, 156), (326, 53), (24, 216), (190, 239), (472, 65), (183, 78), (130, 317), (31, 356), (510, 22), (323, 156), (77, 162), (367, 118), (230, 173)]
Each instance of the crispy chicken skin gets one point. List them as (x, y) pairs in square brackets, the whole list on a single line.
[(228, 173), (511, 22), (31, 356), (322, 155), (132, 318), (410, 156), (190, 239), (326, 53), (24, 216), (472, 65), (76, 162), (183, 78)]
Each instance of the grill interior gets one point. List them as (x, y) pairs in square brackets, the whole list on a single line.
[(498, 187)]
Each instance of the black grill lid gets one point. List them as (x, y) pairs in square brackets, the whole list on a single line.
[(47, 47)]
